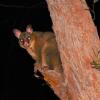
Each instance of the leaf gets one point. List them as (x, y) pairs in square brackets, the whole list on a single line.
[(95, 1)]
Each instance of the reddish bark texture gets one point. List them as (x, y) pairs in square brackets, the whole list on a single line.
[(78, 42)]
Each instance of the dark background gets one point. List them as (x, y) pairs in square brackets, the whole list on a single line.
[(16, 66)]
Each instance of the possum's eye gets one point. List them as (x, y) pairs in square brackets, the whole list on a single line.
[(21, 40), (29, 38)]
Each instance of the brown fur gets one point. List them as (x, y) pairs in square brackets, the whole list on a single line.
[(43, 49)]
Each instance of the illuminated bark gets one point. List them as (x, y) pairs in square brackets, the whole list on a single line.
[(78, 42)]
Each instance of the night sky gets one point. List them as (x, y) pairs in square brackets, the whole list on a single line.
[(16, 66), (18, 80)]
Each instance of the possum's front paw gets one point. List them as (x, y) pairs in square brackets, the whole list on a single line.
[(37, 66), (44, 68)]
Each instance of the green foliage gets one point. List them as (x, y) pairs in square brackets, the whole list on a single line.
[(95, 1), (96, 63), (92, 4)]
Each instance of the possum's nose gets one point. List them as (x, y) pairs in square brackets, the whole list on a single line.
[(26, 44)]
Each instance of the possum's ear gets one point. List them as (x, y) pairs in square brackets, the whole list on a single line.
[(29, 29), (17, 32)]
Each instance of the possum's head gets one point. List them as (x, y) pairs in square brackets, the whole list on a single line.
[(24, 37)]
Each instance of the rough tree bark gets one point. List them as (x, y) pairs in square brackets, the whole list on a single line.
[(78, 42)]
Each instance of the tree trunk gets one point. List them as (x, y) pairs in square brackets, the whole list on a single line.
[(78, 43)]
